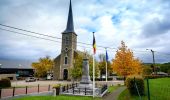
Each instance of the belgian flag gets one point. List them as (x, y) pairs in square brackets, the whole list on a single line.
[(94, 44)]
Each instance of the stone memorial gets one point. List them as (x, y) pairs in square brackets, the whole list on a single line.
[(85, 80)]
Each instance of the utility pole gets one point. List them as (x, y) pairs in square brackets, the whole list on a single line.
[(153, 57)]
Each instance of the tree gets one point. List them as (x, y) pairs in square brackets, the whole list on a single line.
[(43, 66), (76, 71), (147, 70), (102, 65), (124, 63), (165, 67)]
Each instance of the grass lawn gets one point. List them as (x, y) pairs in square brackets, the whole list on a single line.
[(159, 90), (61, 97), (112, 88)]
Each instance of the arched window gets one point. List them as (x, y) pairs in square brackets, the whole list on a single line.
[(65, 60)]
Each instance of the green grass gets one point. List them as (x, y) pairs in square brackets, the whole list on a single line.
[(112, 88), (159, 90), (61, 97)]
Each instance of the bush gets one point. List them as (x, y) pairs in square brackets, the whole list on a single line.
[(131, 85), (147, 71), (57, 86), (57, 89), (5, 83), (102, 79)]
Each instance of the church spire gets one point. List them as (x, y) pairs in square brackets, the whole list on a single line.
[(70, 24)]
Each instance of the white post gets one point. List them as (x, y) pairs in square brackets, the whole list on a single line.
[(93, 77), (106, 71)]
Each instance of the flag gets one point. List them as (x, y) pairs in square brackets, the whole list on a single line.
[(107, 57), (94, 44)]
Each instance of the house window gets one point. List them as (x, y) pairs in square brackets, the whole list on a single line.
[(65, 60)]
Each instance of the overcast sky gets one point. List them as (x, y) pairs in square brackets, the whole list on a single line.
[(141, 24)]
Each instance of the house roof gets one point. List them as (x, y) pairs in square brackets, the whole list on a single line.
[(15, 64)]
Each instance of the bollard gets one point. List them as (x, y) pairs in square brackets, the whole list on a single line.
[(26, 90), (73, 89), (0, 92), (38, 88), (85, 90), (67, 87), (49, 88), (13, 94)]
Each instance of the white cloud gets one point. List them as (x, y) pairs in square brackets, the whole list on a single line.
[(132, 20)]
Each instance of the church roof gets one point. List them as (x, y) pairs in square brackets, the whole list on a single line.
[(70, 23)]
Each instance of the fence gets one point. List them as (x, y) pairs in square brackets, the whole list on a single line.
[(156, 89), (75, 90), (15, 91)]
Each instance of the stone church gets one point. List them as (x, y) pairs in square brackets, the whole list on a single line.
[(65, 61)]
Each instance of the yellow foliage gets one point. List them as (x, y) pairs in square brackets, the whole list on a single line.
[(43, 66), (124, 63)]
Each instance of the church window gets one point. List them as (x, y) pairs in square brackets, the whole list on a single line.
[(65, 60), (66, 40)]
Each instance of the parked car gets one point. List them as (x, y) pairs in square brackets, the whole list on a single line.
[(30, 79)]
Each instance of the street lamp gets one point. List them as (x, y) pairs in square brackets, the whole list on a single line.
[(153, 57), (0, 65)]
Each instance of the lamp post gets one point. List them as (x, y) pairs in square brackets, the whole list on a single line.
[(0, 65), (153, 57)]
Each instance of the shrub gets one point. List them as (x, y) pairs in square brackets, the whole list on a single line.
[(5, 83), (57, 86), (57, 89), (147, 71), (130, 83)]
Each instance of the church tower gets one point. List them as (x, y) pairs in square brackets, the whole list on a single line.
[(68, 48)]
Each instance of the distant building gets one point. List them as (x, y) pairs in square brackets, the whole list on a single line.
[(15, 73), (15, 69), (65, 60)]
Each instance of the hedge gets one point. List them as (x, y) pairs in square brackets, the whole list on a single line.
[(130, 83), (154, 76), (5, 83), (102, 79)]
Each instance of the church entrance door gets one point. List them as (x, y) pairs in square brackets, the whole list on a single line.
[(65, 74)]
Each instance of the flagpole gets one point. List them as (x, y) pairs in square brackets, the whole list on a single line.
[(106, 64), (93, 67), (93, 76), (106, 71)]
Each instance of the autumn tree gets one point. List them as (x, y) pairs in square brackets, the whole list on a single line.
[(76, 71), (102, 65), (125, 63), (43, 66)]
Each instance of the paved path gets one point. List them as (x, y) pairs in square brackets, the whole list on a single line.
[(114, 95), (8, 92)]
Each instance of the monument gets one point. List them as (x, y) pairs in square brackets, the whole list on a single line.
[(85, 87), (85, 80)]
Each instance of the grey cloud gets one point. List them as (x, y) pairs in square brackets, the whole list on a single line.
[(156, 27)]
